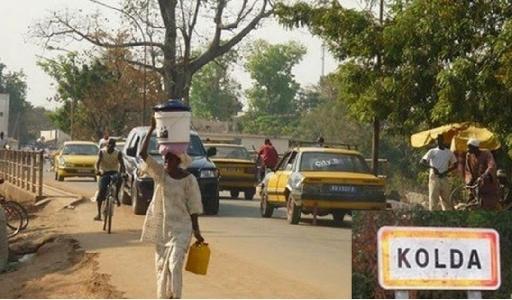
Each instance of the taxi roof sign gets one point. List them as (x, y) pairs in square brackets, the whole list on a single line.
[(434, 258)]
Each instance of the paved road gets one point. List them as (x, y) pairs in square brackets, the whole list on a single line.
[(252, 257)]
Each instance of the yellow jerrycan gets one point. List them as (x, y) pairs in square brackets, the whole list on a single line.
[(198, 258)]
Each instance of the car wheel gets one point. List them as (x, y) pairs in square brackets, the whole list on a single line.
[(234, 194), (56, 176), (211, 207), (266, 209), (249, 193), (338, 216), (95, 178), (139, 208), (293, 211), (60, 178)]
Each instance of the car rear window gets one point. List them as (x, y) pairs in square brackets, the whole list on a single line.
[(232, 152), (80, 150), (333, 162), (195, 147)]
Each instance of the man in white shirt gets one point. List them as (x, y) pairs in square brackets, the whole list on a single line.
[(440, 161)]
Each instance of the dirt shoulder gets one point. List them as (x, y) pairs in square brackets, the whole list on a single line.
[(47, 263)]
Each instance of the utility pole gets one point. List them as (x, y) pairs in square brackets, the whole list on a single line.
[(323, 60), (145, 71), (376, 122)]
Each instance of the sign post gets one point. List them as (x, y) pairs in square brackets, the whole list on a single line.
[(434, 258)]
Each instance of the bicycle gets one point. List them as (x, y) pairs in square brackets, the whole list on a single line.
[(467, 197), (15, 218), (108, 204)]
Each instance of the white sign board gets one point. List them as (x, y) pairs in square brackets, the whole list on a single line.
[(438, 258)]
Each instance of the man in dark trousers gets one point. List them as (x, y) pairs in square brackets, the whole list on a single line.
[(267, 155)]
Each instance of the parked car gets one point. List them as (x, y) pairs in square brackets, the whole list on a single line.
[(76, 159), (328, 180), (237, 169), (138, 188)]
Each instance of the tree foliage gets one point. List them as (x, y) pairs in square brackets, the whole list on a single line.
[(13, 83), (442, 61), (274, 87), (215, 94), (98, 94), (165, 36)]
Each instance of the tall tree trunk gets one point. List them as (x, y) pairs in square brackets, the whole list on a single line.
[(177, 83)]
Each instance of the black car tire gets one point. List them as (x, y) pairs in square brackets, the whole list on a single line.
[(266, 209), (95, 178), (338, 216), (293, 211), (249, 193), (138, 205), (60, 178), (211, 207), (234, 194)]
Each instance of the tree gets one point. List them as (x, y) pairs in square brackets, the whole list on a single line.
[(215, 93), (270, 66), (13, 83), (172, 30), (99, 93), (36, 119), (440, 61)]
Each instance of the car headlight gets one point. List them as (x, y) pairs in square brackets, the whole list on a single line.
[(209, 173), (62, 162), (297, 182)]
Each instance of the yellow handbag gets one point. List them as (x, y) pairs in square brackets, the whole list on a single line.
[(198, 258)]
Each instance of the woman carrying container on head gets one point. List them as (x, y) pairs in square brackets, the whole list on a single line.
[(172, 216)]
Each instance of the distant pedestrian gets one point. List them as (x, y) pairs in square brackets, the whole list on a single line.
[(104, 140), (3, 141), (268, 156), (481, 169), (172, 216), (320, 142), (440, 161)]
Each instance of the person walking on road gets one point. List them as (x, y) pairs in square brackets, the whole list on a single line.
[(267, 155), (110, 162), (441, 161), (104, 140), (3, 141), (172, 217), (481, 169)]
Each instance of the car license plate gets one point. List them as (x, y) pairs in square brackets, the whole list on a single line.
[(342, 189), (232, 170)]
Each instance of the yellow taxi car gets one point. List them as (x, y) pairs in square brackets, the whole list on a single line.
[(76, 159), (237, 169), (325, 180)]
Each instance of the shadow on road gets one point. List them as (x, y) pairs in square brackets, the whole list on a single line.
[(99, 239)]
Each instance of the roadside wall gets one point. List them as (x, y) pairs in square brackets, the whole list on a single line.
[(4, 249), (12, 192)]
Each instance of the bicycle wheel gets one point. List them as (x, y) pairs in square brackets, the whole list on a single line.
[(13, 218), (22, 210), (459, 197)]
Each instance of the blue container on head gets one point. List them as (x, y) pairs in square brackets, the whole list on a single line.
[(172, 105)]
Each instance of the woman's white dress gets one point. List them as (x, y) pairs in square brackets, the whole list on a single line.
[(168, 225)]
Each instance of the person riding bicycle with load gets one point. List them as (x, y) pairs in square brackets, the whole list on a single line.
[(481, 169), (110, 162)]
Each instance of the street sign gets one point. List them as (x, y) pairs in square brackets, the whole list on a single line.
[(433, 258)]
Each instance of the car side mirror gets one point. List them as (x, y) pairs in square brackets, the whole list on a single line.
[(131, 152), (212, 151)]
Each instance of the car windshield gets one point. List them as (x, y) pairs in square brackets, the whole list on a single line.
[(337, 162), (80, 150), (195, 147), (232, 152)]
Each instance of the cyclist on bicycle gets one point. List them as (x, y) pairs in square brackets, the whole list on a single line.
[(481, 169), (110, 162)]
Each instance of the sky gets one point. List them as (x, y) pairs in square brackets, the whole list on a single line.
[(19, 51)]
